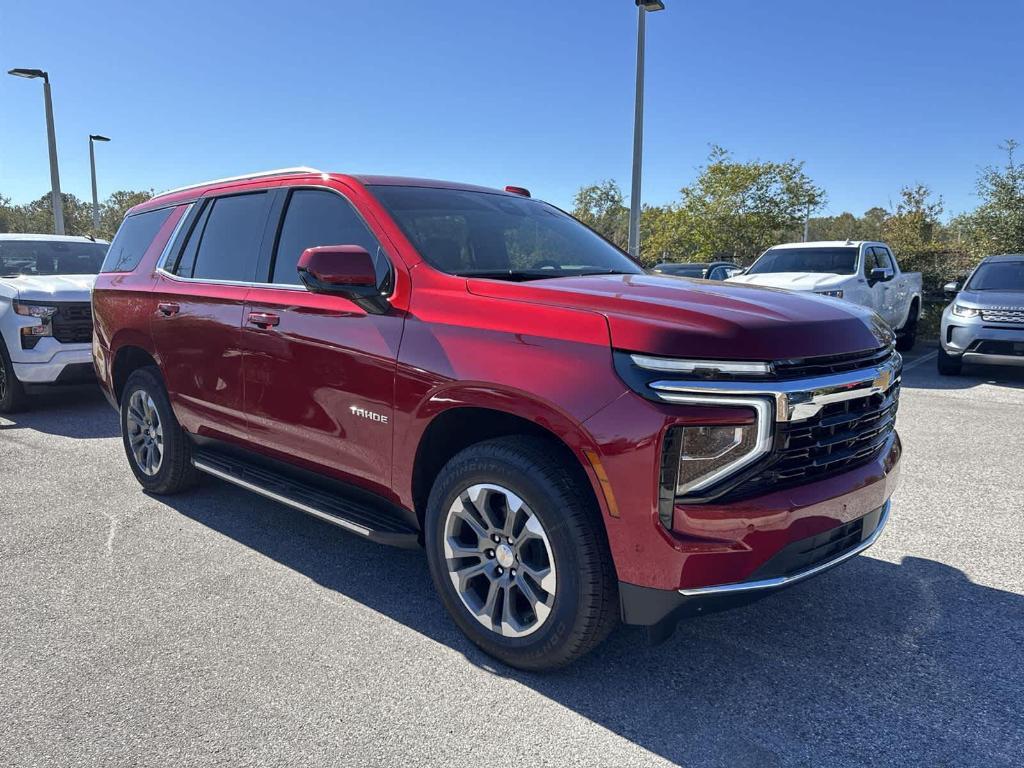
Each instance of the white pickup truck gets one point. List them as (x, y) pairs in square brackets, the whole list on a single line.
[(45, 312), (863, 272)]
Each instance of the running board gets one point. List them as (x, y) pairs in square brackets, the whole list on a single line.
[(371, 521)]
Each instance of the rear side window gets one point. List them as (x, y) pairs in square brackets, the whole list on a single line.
[(225, 242), (133, 237), (317, 217)]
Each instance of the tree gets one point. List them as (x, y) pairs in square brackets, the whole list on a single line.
[(602, 208), (736, 210), (915, 226), (114, 208), (997, 225)]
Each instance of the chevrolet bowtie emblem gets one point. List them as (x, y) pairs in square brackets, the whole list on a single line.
[(883, 380)]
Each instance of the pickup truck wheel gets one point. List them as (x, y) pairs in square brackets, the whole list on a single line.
[(948, 365), (517, 555), (12, 393), (158, 449), (906, 337)]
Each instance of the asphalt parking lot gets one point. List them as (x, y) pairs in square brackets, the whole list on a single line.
[(217, 628)]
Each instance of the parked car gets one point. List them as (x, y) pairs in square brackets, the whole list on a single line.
[(715, 270), (424, 363), (861, 272), (45, 316), (985, 321)]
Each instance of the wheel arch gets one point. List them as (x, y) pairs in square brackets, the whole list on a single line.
[(468, 421), (128, 359)]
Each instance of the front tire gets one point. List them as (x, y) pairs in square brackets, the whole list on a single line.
[(948, 365), (158, 449), (12, 393), (518, 554)]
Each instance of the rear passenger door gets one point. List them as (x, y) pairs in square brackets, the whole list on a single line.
[(200, 296), (319, 371)]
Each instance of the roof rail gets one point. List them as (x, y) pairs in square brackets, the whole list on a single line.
[(243, 177)]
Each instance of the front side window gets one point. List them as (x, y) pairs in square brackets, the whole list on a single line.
[(50, 257), (489, 234), (133, 238), (225, 241), (998, 276), (834, 261), (319, 217)]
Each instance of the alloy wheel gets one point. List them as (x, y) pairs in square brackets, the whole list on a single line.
[(145, 432), (3, 381), (499, 560)]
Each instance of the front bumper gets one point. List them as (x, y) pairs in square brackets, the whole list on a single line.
[(981, 342), (801, 560), (50, 361)]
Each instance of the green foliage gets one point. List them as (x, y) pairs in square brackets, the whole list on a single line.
[(736, 210), (997, 225), (602, 208), (37, 216)]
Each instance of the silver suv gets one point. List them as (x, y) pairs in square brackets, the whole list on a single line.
[(985, 322)]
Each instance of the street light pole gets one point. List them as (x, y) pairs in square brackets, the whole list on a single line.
[(643, 8), (51, 137), (94, 137)]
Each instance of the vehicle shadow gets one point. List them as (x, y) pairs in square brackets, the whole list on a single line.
[(909, 664), (79, 411)]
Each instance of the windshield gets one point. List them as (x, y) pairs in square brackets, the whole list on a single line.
[(998, 276), (835, 261), (500, 236), (50, 257)]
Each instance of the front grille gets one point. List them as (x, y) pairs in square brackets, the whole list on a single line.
[(1003, 316), (841, 437), (994, 347), (807, 367), (72, 324)]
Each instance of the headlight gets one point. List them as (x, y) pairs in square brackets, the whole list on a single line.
[(696, 457), (710, 452), (961, 311), (834, 294), (42, 311)]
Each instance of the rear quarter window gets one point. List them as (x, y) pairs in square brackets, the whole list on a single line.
[(134, 236)]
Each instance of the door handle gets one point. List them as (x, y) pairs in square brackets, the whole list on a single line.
[(168, 308), (263, 319)]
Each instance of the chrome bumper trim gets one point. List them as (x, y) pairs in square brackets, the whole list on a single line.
[(782, 581), (794, 400)]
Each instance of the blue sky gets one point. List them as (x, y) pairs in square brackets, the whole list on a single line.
[(872, 95)]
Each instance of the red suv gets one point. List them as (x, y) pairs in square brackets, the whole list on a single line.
[(573, 441)]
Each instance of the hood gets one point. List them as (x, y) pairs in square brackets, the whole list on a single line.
[(50, 287), (794, 281), (679, 317), (985, 299)]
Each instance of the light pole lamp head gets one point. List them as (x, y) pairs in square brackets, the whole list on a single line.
[(97, 137), (29, 73), (651, 5)]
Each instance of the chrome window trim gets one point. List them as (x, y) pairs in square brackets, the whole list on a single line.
[(794, 400), (761, 407), (783, 581), (237, 283)]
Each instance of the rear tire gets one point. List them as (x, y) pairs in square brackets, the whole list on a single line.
[(12, 393), (906, 337), (948, 365), (158, 449), (544, 592)]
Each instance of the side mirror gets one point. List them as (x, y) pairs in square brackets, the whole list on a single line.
[(951, 289), (733, 272), (342, 270), (880, 275)]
